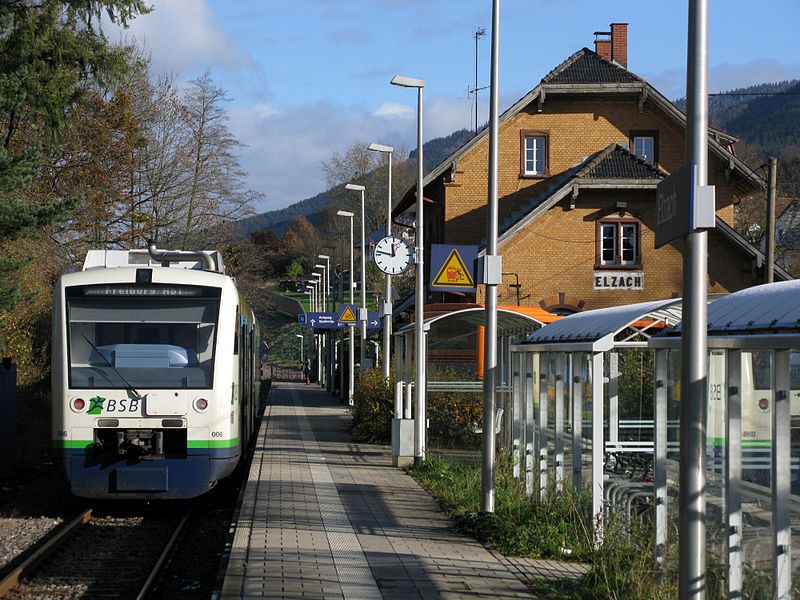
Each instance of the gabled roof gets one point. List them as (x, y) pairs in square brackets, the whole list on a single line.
[(612, 167), (617, 162), (586, 71), (586, 66)]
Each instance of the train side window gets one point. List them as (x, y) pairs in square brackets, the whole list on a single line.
[(236, 333), (762, 370)]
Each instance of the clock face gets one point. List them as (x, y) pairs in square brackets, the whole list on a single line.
[(393, 255)]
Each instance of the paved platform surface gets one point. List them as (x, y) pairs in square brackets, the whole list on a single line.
[(323, 517)]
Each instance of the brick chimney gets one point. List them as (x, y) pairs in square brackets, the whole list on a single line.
[(602, 44), (619, 43), (613, 45)]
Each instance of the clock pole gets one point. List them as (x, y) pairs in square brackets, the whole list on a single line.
[(387, 289)]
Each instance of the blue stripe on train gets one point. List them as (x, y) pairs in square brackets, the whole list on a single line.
[(169, 478)]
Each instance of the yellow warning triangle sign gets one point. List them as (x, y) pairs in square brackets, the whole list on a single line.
[(454, 273), (347, 315)]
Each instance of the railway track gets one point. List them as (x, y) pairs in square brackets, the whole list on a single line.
[(108, 556)]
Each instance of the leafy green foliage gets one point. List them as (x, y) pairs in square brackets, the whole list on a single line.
[(50, 53), (295, 269), (559, 528), (636, 383), (453, 418), (373, 407)]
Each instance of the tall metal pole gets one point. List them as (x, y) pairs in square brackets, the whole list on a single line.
[(351, 367), (694, 362), (419, 308), (387, 286), (769, 268), (342, 335), (363, 315), (420, 418), (477, 35), (490, 339)]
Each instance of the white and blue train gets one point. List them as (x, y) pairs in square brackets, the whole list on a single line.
[(155, 374)]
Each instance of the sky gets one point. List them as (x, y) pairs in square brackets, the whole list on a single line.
[(307, 78)]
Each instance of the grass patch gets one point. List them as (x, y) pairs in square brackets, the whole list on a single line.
[(560, 528)]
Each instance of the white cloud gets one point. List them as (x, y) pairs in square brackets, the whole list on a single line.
[(184, 35), (286, 148), (393, 109)]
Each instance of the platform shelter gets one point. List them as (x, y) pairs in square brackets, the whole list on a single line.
[(752, 453), (454, 338), (565, 398)]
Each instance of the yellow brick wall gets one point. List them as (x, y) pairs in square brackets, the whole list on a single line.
[(577, 129), (556, 253)]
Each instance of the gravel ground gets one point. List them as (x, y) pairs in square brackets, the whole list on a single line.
[(17, 535), (31, 505)]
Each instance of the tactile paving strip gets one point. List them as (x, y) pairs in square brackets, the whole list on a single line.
[(355, 575)]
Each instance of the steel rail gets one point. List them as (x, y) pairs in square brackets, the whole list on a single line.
[(151, 579), (12, 580)]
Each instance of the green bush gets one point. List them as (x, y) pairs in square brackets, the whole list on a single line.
[(559, 528), (373, 407), (453, 417)]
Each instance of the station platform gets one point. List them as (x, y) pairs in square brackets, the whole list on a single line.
[(323, 517)]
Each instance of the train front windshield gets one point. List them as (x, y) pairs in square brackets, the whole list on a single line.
[(145, 337)]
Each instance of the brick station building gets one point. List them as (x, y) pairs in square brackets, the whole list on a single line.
[(580, 157)]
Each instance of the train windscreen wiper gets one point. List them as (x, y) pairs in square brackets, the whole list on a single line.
[(125, 381)]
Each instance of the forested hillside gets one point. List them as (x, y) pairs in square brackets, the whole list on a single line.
[(315, 208), (766, 116)]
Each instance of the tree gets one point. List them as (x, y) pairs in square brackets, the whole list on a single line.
[(215, 192), (295, 269), (50, 53)]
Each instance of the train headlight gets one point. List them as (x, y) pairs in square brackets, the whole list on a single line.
[(78, 404), (763, 404), (201, 404)]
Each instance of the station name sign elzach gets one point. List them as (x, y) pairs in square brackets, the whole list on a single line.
[(618, 280)]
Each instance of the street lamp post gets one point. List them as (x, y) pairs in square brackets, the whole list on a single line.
[(314, 303), (327, 260), (324, 285), (302, 343), (491, 276), (362, 313), (320, 277), (351, 369), (419, 312), (329, 345), (387, 287)]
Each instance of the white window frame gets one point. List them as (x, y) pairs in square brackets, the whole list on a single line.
[(526, 162), (642, 152), (617, 230)]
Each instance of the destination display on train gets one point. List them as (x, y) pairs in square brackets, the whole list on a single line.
[(170, 291)]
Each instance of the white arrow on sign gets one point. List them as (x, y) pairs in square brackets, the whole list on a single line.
[(312, 322), (373, 322)]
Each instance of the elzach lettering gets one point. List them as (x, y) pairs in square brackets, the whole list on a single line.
[(667, 208), (618, 281)]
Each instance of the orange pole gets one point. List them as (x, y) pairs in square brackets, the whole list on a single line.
[(479, 358)]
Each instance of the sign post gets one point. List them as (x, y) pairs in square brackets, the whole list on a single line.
[(683, 205), (694, 335)]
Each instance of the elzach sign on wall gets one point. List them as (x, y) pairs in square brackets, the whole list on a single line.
[(618, 280)]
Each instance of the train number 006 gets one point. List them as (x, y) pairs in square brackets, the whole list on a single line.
[(216, 434)]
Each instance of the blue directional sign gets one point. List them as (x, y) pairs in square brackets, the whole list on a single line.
[(301, 318), (322, 320), (347, 314)]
